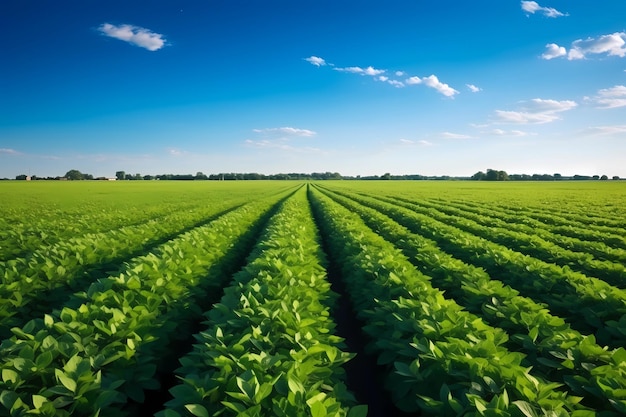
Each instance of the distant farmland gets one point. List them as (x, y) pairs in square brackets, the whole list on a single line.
[(323, 298)]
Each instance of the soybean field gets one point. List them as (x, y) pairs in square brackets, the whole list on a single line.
[(325, 298)]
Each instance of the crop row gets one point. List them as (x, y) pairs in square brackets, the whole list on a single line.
[(270, 347), (551, 345), (591, 305), (94, 358), (526, 241), (490, 216), (441, 359)]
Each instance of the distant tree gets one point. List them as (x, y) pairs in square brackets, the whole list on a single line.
[(558, 177), (604, 178), (494, 175), (479, 176), (21, 177), (386, 176), (596, 177), (120, 175), (201, 176), (138, 177), (615, 177), (148, 177), (74, 175)]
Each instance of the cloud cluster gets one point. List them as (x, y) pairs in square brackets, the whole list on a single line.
[(281, 138), (533, 7), (135, 35), (612, 45), (611, 98), (382, 75), (536, 111), (9, 151)]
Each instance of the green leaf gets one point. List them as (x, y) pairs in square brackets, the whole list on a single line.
[(67, 382), (39, 400), (318, 409), (9, 375), (525, 408), (197, 410)]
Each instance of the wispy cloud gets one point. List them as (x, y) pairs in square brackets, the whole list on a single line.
[(285, 131), (501, 132), (433, 82), (450, 135), (388, 77), (363, 71), (612, 45), (607, 130), (9, 151), (281, 138), (315, 60), (533, 7), (611, 98), (536, 111), (473, 88), (135, 35)]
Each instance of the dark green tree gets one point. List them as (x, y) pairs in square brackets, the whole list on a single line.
[(120, 175), (74, 175)]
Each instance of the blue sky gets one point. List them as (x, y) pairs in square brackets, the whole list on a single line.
[(356, 87)]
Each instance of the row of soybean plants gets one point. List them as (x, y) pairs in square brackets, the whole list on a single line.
[(526, 240), (589, 304), (491, 216), (552, 347), (101, 352), (440, 359), (51, 217), (269, 348), (574, 225), (29, 286)]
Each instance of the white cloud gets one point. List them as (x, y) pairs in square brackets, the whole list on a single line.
[(607, 130), (407, 141), (533, 7), (413, 80), (402, 73), (500, 132), (449, 135), (425, 143), (537, 111), (554, 51), (363, 71), (433, 82), (9, 151), (135, 35), (315, 60), (612, 45), (286, 131), (473, 88), (610, 98)]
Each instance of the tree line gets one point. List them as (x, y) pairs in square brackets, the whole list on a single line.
[(489, 175)]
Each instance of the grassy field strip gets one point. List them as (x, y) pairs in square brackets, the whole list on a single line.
[(442, 360), (489, 216), (269, 348), (591, 305), (552, 347), (527, 242), (92, 359), (25, 280)]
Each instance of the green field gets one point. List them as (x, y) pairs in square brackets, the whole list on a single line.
[(329, 298)]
